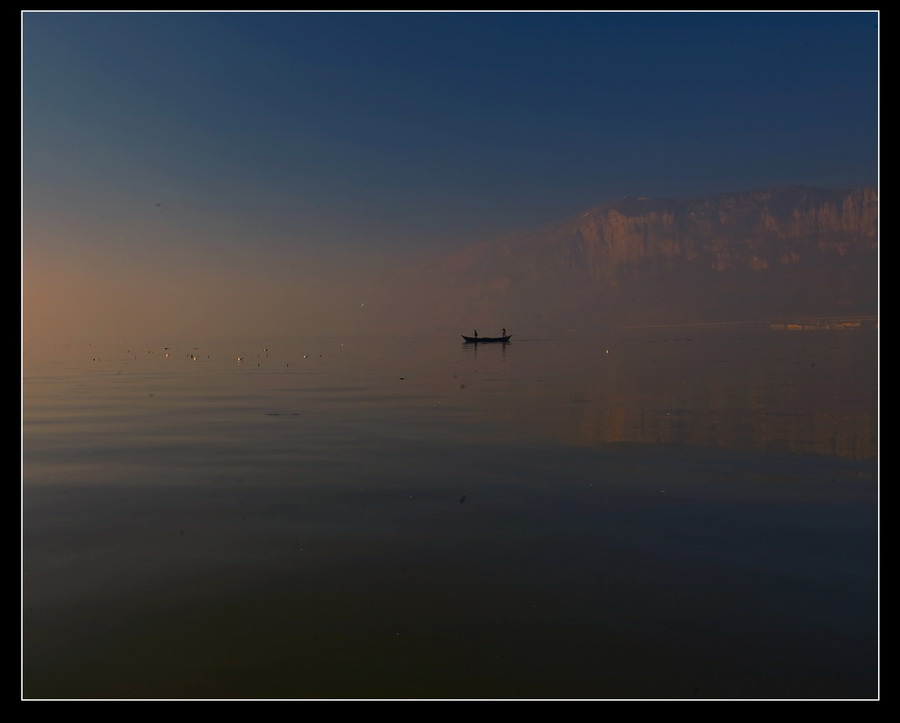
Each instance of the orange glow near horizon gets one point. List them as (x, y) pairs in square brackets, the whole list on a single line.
[(102, 296)]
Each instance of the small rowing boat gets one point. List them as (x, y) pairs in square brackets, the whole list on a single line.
[(486, 339)]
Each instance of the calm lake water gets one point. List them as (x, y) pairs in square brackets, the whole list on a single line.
[(649, 514)]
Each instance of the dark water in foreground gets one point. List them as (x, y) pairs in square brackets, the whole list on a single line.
[(647, 515)]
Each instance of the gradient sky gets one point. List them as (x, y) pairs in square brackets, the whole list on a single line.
[(177, 155)]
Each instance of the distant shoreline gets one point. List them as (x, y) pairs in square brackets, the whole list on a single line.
[(807, 322)]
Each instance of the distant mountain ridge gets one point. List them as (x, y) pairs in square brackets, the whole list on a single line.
[(756, 255)]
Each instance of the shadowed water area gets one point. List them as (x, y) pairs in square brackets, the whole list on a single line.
[(687, 513)]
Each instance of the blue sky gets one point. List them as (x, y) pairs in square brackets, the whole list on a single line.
[(302, 139)]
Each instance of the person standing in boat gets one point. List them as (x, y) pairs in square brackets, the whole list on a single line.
[(476, 333), (503, 331)]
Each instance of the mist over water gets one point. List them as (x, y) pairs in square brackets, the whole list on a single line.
[(658, 513), (258, 460)]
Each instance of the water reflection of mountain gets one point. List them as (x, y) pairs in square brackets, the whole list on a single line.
[(760, 393)]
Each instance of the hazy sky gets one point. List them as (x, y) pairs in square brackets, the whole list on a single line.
[(164, 152)]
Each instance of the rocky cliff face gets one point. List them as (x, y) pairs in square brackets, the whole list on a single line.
[(755, 230), (746, 256)]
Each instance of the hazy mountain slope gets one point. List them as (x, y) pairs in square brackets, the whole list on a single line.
[(759, 255)]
